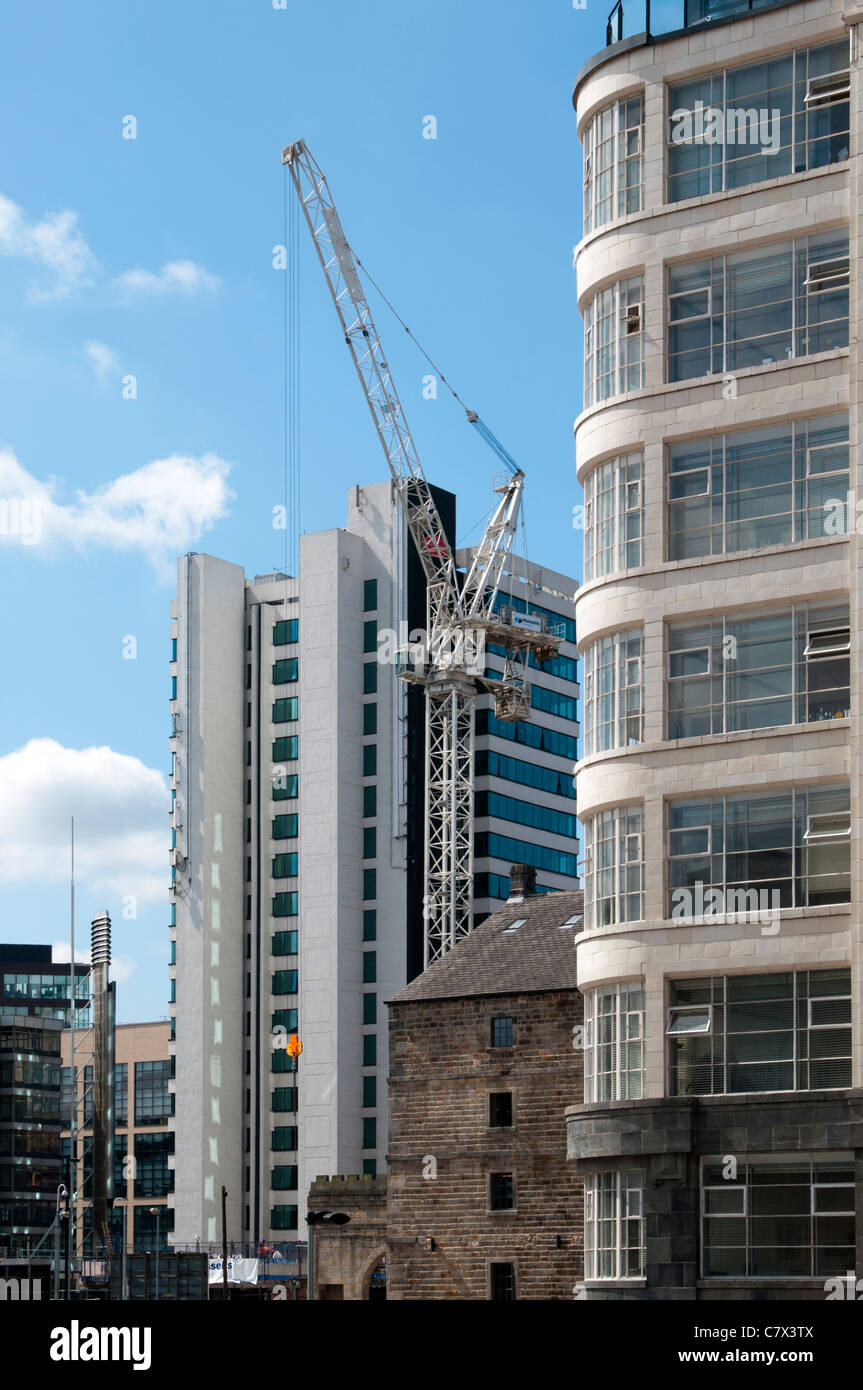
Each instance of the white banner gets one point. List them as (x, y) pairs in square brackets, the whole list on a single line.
[(239, 1271)]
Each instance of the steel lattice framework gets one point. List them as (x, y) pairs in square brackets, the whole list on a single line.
[(459, 617)]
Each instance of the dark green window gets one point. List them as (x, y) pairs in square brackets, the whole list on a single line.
[(284, 1178), (284, 710), (285, 982), (370, 1167), (370, 967), (370, 1094), (370, 1132), (282, 1060), (370, 842), (173, 956), (285, 905), (285, 670), (283, 1218), (285, 786), (370, 636), (285, 943), (172, 997), (370, 1008), (285, 631), (370, 1049), (370, 801), (370, 595), (370, 759), (370, 884), (285, 828), (153, 1178), (286, 750), (370, 678), (370, 924), (370, 718), (284, 1138), (284, 1097), (285, 866), (285, 1018)]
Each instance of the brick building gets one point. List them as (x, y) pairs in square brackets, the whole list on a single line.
[(481, 1203)]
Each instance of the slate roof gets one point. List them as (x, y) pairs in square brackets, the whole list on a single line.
[(536, 957)]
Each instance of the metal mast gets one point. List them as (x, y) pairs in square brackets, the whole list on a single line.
[(459, 618)]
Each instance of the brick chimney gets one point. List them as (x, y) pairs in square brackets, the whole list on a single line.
[(522, 882)]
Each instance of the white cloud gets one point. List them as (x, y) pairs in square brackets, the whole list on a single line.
[(175, 277), (121, 829), (122, 967), (55, 244), (161, 508), (103, 360)]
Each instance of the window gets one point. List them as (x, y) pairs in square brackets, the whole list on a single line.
[(614, 1225), (614, 1043), (284, 1138), (370, 1092), (152, 1100), (285, 982), (285, 670), (749, 308), (370, 924), (614, 341), (285, 710), (285, 827), (501, 1192), (284, 866), (501, 1283), (755, 673), (283, 1218), (370, 967), (809, 89), (614, 867), (370, 1132), (769, 486), (613, 692), (370, 759), (370, 1008), (613, 167), (500, 1109), (778, 1217), (502, 1032), (370, 802), (525, 813), (531, 735), (285, 632), (493, 846), (283, 1178), (286, 750), (150, 1231), (547, 779), (370, 678), (370, 595), (614, 516), (789, 1031), (284, 1018), (285, 943), (370, 717), (370, 1167), (370, 842), (370, 636), (370, 884), (121, 1093), (761, 853), (153, 1178), (284, 1097), (285, 904), (285, 786), (370, 1050)]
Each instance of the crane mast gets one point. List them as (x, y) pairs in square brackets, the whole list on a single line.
[(460, 617)]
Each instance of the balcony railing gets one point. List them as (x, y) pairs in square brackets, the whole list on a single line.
[(673, 16)]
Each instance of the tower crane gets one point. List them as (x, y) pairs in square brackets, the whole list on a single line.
[(462, 611)]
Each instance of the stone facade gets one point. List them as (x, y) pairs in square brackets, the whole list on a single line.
[(346, 1257)]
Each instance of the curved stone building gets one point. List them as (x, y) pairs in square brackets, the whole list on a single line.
[(721, 1134)]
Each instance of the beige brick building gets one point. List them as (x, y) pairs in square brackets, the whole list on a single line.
[(721, 1134)]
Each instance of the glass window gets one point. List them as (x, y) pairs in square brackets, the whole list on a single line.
[(783, 301), (770, 486), (284, 1097), (492, 846), (285, 632), (370, 1050), (775, 117), (789, 1031), (285, 866), (285, 943), (370, 961), (530, 735), (370, 924), (370, 636), (370, 1008), (283, 1218), (614, 867), (285, 982), (777, 1217), (284, 1138), (502, 1031), (525, 813), (370, 759), (370, 1132), (370, 842), (613, 692), (613, 163), (614, 341), (285, 1018), (370, 802), (500, 1109), (283, 1177), (614, 516), (370, 884), (370, 595), (153, 1178), (501, 1191), (286, 710), (614, 1043), (501, 1282), (285, 827), (614, 1246), (285, 904), (285, 750), (121, 1093), (370, 678), (491, 764), (370, 717), (285, 670), (370, 1092), (755, 855), (153, 1103)]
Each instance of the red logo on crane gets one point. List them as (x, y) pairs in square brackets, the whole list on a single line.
[(436, 545)]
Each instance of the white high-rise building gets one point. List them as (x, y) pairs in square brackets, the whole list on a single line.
[(297, 777)]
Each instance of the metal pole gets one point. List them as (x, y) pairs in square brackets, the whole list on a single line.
[(61, 1192), (73, 1090), (310, 1270), (224, 1242)]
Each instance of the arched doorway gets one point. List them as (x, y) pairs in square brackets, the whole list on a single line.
[(378, 1281)]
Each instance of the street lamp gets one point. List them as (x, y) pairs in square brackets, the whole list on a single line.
[(157, 1212), (62, 1191), (313, 1219), (121, 1204)]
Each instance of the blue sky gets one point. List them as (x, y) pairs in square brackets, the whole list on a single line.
[(151, 258)]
